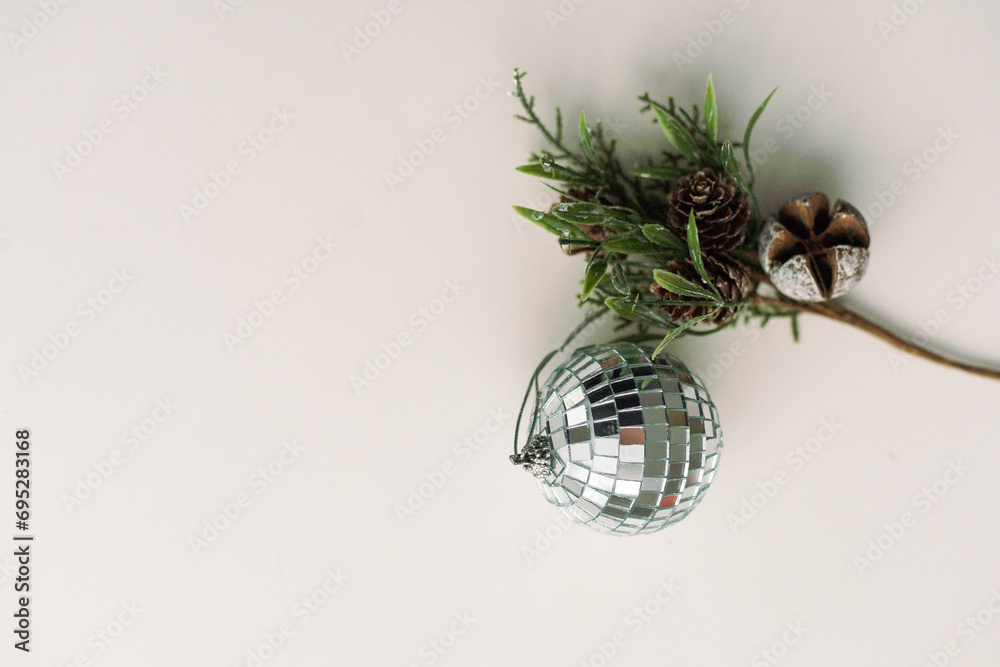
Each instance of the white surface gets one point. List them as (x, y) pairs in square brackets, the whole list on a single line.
[(464, 550)]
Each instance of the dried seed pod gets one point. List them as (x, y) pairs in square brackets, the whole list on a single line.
[(815, 252)]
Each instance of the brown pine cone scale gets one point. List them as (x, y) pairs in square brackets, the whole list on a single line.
[(721, 209), (728, 276), (589, 194)]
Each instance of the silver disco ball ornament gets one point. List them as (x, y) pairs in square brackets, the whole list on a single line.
[(634, 440)]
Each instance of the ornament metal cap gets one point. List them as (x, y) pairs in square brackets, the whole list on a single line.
[(536, 457)]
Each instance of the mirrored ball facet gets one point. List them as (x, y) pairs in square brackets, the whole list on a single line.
[(635, 440)]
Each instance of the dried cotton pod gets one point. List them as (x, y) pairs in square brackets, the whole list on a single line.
[(815, 252)]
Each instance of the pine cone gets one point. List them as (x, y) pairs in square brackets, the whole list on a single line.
[(728, 276), (721, 210)]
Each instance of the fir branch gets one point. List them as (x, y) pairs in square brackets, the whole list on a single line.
[(528, 104), (622, 266)]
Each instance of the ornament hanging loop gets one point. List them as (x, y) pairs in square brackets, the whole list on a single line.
[(537, 454)]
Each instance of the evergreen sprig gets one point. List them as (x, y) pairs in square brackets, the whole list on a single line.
[(634, 247), (615, 216)]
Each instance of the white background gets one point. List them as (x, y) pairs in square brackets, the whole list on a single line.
[(477, 545)]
